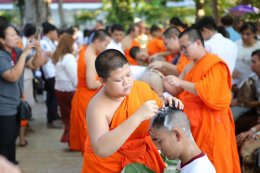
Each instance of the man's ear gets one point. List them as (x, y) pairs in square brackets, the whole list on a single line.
[(2, 41), (177, 133), (102, 81)]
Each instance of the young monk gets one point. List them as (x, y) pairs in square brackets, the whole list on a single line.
[(130, 41), (87, 86), (204, 86), (170, 39), (118, 119), (170, 131)]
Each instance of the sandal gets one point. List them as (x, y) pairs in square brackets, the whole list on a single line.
[(23, 145)]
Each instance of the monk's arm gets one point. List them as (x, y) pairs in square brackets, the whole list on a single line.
[(188, 86), (91, 74), (105, 142)]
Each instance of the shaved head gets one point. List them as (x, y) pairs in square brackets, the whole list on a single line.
[(171, 31)]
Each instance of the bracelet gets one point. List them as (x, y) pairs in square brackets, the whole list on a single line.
[(253, 129)]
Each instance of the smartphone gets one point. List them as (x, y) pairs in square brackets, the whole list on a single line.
[(38, 31)]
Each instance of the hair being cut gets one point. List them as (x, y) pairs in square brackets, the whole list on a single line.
[(109, 60)]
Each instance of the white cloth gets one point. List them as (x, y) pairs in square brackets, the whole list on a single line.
[(199, 165), (113, 45), (243, 60), (224, 48), (137, 71), (66, 73), (48, 46)]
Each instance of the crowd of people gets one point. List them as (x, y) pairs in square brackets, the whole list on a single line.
[(188, 100)]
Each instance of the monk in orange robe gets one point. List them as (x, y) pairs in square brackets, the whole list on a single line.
[(87, 86), (205, 89), (118, 119), (171, 41), (129, 42)]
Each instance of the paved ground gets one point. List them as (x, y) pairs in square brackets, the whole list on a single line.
[(44, 153)]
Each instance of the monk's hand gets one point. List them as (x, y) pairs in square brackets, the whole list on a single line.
[(173, 80), (174, 102), (148, 110)]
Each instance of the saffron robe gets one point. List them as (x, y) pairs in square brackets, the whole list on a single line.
[(183, 61), (156, 45), (209, 113), (78, 126), (130, 59), (138, 147)]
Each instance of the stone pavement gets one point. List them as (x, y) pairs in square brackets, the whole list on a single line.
[(45, 153)]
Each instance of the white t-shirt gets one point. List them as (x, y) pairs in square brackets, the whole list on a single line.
[(199, 164), (243, 60), (224, 48), (66, 73), (113, 45), (48, 68)]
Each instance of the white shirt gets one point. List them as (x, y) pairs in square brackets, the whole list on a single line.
[(224, 48), (66, 73), (113, 45), (243, 60), (48, 68), (199, 165)]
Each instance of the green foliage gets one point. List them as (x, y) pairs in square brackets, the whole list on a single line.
[(84, 15), (252, 16), (136, 168), (10, 16)]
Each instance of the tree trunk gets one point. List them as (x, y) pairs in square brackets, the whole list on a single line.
[(214, 6), (36, 12), (61, 13)]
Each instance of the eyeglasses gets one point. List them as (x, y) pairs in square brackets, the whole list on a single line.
[(184, 48)]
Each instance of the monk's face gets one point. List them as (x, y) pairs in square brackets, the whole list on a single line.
[(171, 44), (101, 45), (255, 64), (120, 82), (167, 142), (187, 48)]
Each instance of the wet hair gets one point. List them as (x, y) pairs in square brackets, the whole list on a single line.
[(171, 118), (116, 27), (100, 34), (256, 53), (227, 20), (171, 31), (193, 35), (248, 25), (29, 30), (48, 27), (65, 46), (109, 60), (207, 22), (133, 51)]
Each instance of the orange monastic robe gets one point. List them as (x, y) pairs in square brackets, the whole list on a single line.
[(156, 45), (131, 60), (78, 127), (183, 61), (138, 147), (211, 120)]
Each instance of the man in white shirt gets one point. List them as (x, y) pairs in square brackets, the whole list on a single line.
[(217, 44), (170, 131), (117, 35), (48, 46)]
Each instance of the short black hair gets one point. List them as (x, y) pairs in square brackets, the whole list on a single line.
[(207, 22), (155, 28), (248, 25), (100, 34), (176, 22), (222, 30), (29, 30), (109, 60), (256, 52), (48, 27), (227, 20), (193, 35), (131, 29), (116, 27), (133, 51)]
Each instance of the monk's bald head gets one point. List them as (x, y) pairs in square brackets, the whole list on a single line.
[(193, 35), (171, 31), (100, 34), (109, 60)]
